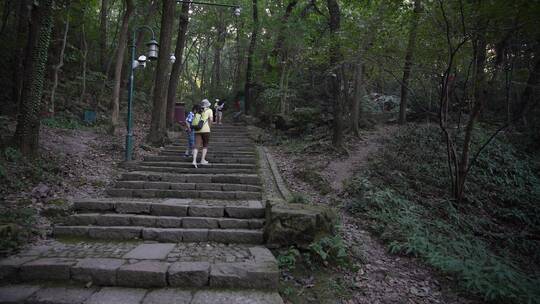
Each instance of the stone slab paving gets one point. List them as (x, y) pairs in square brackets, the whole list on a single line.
[(120, 295)]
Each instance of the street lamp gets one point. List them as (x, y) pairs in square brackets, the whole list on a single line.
[(135, 63)]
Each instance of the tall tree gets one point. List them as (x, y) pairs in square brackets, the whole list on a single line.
[(335, 78), (120, 51), (28, 123), (409, 62), (60, 64), (218, 48), (103, 35), (23, 22), (249, 70), (158, 130), (178, 64)]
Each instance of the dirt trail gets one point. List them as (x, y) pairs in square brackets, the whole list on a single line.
[(382, 277)]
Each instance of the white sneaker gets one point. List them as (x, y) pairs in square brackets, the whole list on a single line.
[(204, 162), (194, 164)]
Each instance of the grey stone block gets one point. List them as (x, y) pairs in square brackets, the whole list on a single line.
[(113, 220), (256, 223), (206, 211), (100, 271), (189, 274), (144, 193), (248, 195), (236, 297), (217, 195), (195, 235), (162, 234), (227, 275), (169, 209), (238, 236), (133, 207), (117, 295), (188, 186), (9, 267), (228, 223), (130, 184), (119, 192), (244, 275), (150, 252), (168, 296), (13, 294), (93, 205), (82, 219), (214, 187), (157, 185), (70, 231), (200, 222), (115, 233), (143, 220), (61, 295), (143, 274), (244, 212), (54, 269), (169, 222)]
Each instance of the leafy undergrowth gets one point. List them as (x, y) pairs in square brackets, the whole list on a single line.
[(316, 274), (489, 242)]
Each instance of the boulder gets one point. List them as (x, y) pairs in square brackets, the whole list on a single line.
[(297, 224)]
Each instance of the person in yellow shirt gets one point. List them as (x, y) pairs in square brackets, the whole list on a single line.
[(202, 136)]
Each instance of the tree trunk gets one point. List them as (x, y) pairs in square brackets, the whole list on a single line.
[(409, 62), (251, 51), (335, 81), (158, 132), (23, 16), (178, 64), (103, 35), (239, 62), (84, 52), (220, 43), (359, 93), (28, 123), (277, 50), (59, 65), (532, 82), (122, 42)]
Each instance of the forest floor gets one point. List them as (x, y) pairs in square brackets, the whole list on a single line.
[(378, 276)]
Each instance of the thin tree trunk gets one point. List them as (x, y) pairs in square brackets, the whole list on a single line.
[(204, 68), (251, 51), (359, 93), (335, 81), (59, 65), (277, 50), (103, 35), (5, 16), (532, 82), (220, 43), (23, 21), (409, 62), (239, 62), (28, 123), (158, 133), (122, 42), (84, 62), (178, 64)]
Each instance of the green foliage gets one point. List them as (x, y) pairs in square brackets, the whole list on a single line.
[(287, 260), (62, 123), (16, 226), (487, 242), (330, 249), (314, 178), (298, 198)]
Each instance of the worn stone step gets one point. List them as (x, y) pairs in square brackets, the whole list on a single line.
[(161, 193), (212, 149), (179, 157), (186, 186), (155, 221), (227, 236), (173, 207), (213, 154), (173, 164), (202, 169), (58, 294), (247, 179), (144, 265)]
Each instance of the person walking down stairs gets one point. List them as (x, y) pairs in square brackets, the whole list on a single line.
[(201, 123)]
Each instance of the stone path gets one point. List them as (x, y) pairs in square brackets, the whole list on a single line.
[(167, 233)]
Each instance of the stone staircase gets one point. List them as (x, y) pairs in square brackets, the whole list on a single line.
[(164, 226)]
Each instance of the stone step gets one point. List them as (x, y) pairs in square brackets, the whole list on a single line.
[(179, 157), (213, 148), (186, 186), (125, 233), (173, 207), (213, 154), (144, 265), (154, 221), (204, 194), (202, 169), (183, 141), (175, 164), (58, 294), (246, 179)]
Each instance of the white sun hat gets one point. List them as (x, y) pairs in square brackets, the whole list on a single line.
[(205, 103)]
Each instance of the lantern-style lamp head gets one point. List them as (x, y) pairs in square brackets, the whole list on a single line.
[(237, 11), (152, 49), (172, 59)]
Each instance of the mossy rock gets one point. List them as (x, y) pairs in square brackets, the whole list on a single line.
[(297, 224)]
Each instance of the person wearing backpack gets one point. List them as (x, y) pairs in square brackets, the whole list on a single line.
[(189, 130), (201, 124)]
